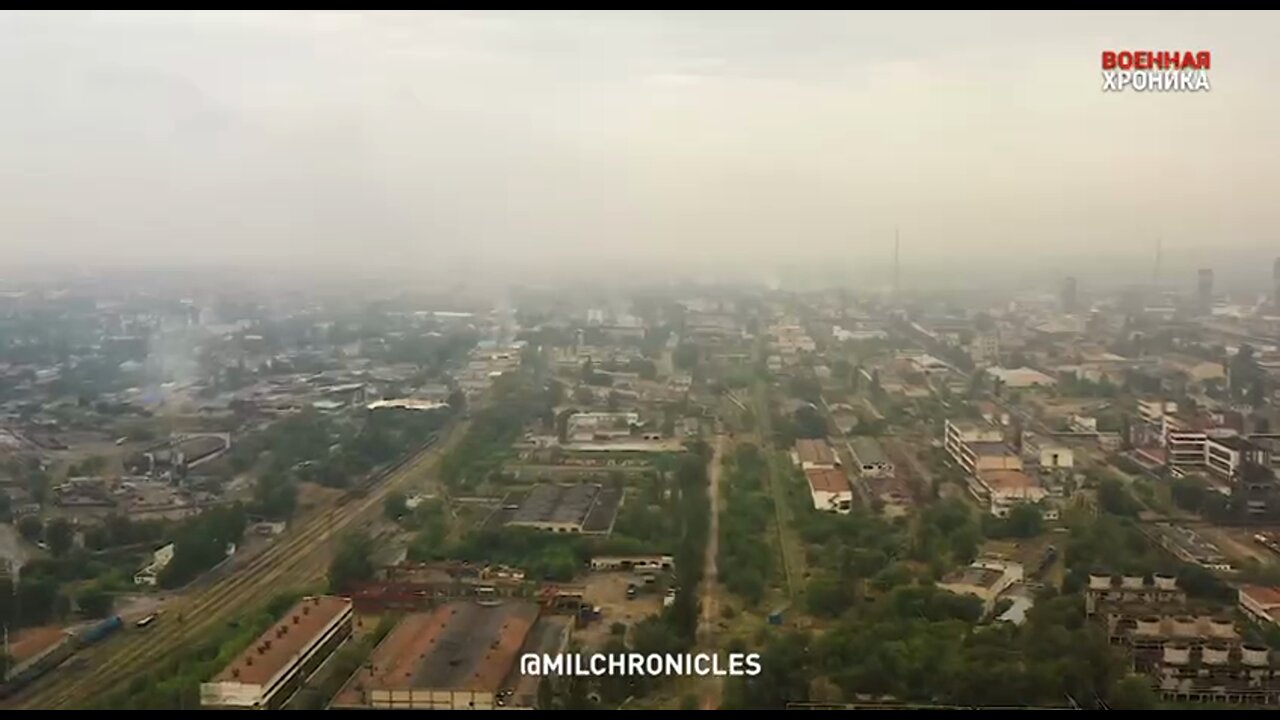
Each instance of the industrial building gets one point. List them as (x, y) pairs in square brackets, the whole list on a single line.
[(588, 509), (975, 446), (462, 656), (1189, 546), (984, 579), (268, 672), (149, 574), (870, 458), (999, 491), (1227, 455), (1261, 604), (830, 490), (813, 454), (1106, 592)]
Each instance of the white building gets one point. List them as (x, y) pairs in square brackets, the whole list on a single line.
[(1023, 377), (985, 579), (150, 572), (976, 447), (830, 490), (1225, 455)]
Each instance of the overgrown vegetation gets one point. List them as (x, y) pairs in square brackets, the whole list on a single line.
[(176, 684), (746, 559)]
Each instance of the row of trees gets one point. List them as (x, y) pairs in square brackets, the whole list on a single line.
[(746, 560)]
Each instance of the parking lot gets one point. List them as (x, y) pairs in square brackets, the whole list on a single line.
[(608, 591)]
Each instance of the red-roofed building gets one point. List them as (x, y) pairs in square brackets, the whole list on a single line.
[(829, 489), (268, 672), (1262, 603), (461, 656)]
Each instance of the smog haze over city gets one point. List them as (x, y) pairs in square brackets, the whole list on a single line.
[(639, 360), (733, 142)]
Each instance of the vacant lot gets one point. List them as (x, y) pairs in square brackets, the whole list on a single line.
[(608, 591)]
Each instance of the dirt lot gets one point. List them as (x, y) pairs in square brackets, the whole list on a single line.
[(608, 591)]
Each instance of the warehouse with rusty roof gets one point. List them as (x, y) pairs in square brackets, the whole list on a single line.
[(269, 671), (463, 655)]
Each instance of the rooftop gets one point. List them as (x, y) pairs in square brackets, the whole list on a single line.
[(1008, 480), (1235, 442), (29, 643), (556, 504), (827, 480), (1266, 596), (868, 451), (459, 646), (284, 641), (817, 452), (974, 576), (990, 448)]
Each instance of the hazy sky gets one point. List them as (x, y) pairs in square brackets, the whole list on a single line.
[(407, 137)]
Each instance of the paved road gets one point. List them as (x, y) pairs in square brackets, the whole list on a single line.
[(710, 592)]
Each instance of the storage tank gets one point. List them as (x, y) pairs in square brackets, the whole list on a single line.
[(1165, 581), (1185, 626), (1148, 625), (1176, 653), (1132, 582), (1254, 655), (1214, 654), (1099, 581), (1222, 628)]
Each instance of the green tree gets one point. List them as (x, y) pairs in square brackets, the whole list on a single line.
[(95, 602), (1025, 521), (59, 535), (30, 527), (1133, 693), (685, 356), (1114, 498), (395, 506), (352, 562)]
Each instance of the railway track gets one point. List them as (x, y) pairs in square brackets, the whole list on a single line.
[(298, 559)]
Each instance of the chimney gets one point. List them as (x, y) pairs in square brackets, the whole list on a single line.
[(235, 673), (295, 619), (248, 662)]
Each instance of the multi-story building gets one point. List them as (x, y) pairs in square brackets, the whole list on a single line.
[(961, 434), (268, 673), (1227, 455)]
